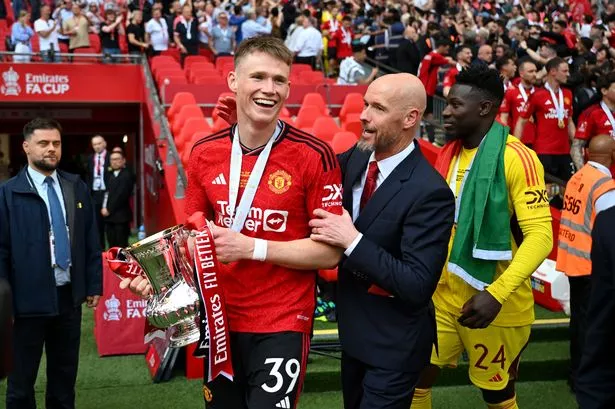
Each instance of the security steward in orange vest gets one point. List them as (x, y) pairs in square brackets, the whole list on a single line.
[(589, 191)]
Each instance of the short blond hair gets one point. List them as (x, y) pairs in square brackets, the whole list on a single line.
[(267, 44)]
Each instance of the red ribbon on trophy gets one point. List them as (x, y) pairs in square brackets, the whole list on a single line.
[(212, 297)]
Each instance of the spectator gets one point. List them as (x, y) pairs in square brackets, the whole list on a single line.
[(428, 73), (77, 29), (507, 68), (251, 28), (329, 29), (308, 46), (408, 53), (157, 32), (485, 55), (204, 15), (110, 33), (175, 13), (187, 33), (293, 32), (344, 39), (21, 37), (276, 19), (352, 69), (463, 57), (54, 221), (62, 14), (236, 21), (135, 34), (47, 31), (93, 14), (116, 207), (222, 37)]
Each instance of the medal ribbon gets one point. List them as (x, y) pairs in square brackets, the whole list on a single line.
[(559, 105)]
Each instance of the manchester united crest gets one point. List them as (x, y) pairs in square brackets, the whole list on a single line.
[(279, 182)]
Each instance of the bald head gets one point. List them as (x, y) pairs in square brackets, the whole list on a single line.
[(394, 106), (485, 53), (98, 143), (601, 149)]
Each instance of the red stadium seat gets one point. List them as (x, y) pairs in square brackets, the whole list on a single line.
[(187, 111), (220, 61), (209, 80), (307, 115), (190, 127), (219, 124), (202, 72), (63, 48), (298, 69), (185, 155), (193, 59), (312, 77), (201, 66), (315, 99), (172, 52), (325, 128), (86, 50), (356, 127), (95, 42), (353, 104), (167, 71), (342, 141), (179, 100), (176, 79)]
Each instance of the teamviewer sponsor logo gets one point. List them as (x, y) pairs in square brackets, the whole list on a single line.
[(275, 220)]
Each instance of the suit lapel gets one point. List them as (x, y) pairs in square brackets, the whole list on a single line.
[(68, 191), (389, 188), (357, 163)]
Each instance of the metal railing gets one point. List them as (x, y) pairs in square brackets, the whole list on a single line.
[(166, 136), (54, 57)]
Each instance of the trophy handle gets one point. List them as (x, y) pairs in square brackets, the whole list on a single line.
[(122, 264)]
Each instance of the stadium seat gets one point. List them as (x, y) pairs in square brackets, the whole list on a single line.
[(220, 61), (315, 99), (63, 48), (193, 59), (353, 104), (209, 80), (312, 77), (187, 111), (356, 127), (86, 50), (200, 65), (95, 42), (307, 115), (180, 100), (190, 127), (201, 72), (297, 69), (165, 65), (171, 52), (173, 79), (162, 59), (219, 124), (206, 52), (342, 141), (325, 128)]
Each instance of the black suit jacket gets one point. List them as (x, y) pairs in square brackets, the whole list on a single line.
[(89, 177), (596, 383), (408, 56), (406, 227), (119, 190)]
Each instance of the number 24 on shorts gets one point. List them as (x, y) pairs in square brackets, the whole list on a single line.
[(499, 357), (292, 369)]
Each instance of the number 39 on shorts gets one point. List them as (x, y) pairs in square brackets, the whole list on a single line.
[(291, 369)]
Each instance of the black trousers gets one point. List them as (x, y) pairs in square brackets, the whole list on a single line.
[(60, 335), (580, 288), (117, 234), (367, 387), (306, 60), (98, 197)]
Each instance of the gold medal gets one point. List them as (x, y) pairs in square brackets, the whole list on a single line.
[(561, 124)]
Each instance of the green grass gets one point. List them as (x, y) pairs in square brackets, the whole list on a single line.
[(123, 382)]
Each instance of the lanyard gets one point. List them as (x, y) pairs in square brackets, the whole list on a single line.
[(239, 214), (347, 36), (459, 67), (523, 93), (609, 114), (559, 105)]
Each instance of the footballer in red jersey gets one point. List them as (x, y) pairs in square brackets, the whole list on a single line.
[(551, 108), (516, 99), (598, 119), (259, 183)]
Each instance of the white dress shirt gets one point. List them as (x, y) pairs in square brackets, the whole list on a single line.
[(38, 180), (607, 199), (309, 43), (385, 168), (159, 34)]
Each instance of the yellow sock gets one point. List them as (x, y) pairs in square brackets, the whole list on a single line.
[(507, 404), (421, 399)]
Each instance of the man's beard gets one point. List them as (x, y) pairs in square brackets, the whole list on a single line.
[(381, 144), (365, 146), (42, 165)]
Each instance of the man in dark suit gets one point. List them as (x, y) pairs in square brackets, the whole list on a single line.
[(116, 207), (595, 387), (408, 53), (50, 255), (395, 249), (97, 179)]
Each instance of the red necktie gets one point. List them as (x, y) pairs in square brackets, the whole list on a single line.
[(370, 183), (368, 191)]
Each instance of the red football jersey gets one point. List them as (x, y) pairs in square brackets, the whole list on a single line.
[(593, 121), (301, 175), (332, 26), (428, 71), (451, 77), (343, 40), (513, 105), (550, 138)]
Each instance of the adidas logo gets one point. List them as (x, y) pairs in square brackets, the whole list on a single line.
[(496, 378), (284, 403), (219, 180)]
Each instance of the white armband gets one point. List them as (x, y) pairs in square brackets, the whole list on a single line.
[(260, 250)]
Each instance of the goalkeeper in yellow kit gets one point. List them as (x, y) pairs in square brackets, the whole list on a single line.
[(502, 232)]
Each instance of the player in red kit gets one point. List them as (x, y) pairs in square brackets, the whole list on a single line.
[(551, 108), (259, 182), (515, 102), (598, 119), (463, 54), (343, 39)]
